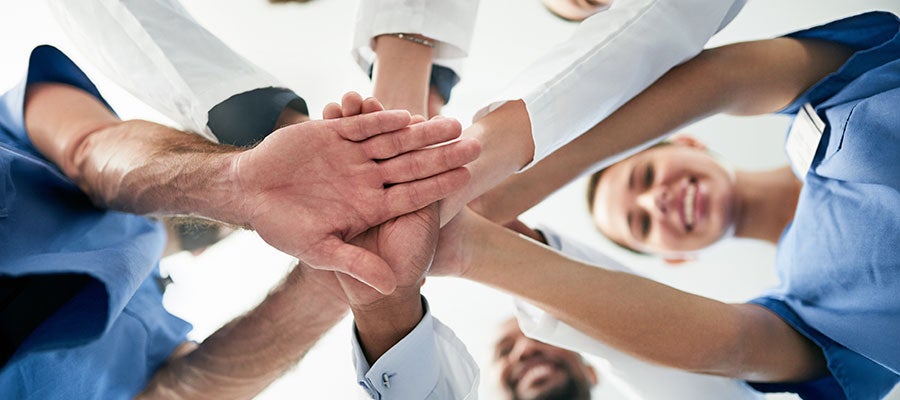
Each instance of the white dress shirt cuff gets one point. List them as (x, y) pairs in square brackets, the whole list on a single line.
[(409, 370)]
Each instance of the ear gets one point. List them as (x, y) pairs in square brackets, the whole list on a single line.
[(685, 139)]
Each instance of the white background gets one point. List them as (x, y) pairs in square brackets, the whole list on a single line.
[(307, 46)]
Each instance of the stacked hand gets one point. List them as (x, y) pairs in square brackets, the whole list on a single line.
[(310, 188), (407, 243)]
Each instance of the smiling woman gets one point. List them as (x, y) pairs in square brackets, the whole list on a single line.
[(668, 199)]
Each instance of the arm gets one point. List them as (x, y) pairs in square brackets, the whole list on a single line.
[(396, 339), (247, 354), (450, 24), (401, 74), (610, 58), (145, 168), (743, 79), (635, 315)]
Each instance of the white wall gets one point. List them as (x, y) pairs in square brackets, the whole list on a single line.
[(307, 47)]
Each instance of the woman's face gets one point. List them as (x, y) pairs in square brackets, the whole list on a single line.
[(666, 200)]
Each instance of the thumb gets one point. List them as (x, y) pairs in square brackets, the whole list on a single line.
[(361, 264)]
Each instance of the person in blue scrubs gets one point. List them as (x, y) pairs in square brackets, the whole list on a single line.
[(81, 312), (831, 330)]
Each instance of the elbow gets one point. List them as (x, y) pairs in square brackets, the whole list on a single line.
[(83, 160)]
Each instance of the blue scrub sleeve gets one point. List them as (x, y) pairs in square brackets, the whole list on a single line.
[(852, 376), (870, 35), (46, 64), (49, 227)]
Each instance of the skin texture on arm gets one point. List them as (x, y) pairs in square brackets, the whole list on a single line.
[(247, 354), (636, 315), (401, 74), (744, 79), (306, 189)]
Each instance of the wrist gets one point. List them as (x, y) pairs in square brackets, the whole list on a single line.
[(383, 324), (401, 311), (219, 193)]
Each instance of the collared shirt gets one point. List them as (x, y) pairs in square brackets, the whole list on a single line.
[(839, 259), (633, 378), (429, 363), (161, 55), (107, 340), (611, 57)]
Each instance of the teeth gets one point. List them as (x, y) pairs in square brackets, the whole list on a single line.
[(535, 373), (689, 195)]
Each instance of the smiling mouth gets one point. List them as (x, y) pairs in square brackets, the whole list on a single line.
[(689, 204)]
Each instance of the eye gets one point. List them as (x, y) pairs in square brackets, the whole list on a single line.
[(648, 176), (503, 350), (645, 225)]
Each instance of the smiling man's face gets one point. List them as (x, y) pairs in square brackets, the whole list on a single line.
[(533, 370)]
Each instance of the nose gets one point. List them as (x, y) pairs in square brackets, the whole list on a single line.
[(525, 349), (655, 201)]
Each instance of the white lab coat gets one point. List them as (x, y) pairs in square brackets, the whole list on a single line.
[(161, 55), (611, 57)]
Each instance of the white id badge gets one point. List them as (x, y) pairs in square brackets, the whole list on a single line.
[(803, 139)]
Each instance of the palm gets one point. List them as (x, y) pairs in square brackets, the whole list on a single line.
[(407, 243), (311, 187)]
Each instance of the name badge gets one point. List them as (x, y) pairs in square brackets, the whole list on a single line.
[(803, 139)]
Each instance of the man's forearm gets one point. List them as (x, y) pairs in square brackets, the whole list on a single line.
[(382, 325), (133, 166), (247, 354)]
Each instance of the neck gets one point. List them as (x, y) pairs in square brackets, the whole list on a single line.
[(766, 203)]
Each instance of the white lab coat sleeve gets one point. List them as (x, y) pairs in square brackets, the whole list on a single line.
[(634, 378), (609, 59), (429, 363), (161, 55), (450, 23)]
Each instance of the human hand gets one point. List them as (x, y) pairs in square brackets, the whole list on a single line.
[(309, 188), (458, 244), (407, 242)]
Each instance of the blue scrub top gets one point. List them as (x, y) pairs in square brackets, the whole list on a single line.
[(109, 339), (839, 259)]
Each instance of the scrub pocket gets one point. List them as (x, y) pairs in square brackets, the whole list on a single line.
[(864, 145)]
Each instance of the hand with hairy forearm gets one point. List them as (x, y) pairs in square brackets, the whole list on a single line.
[(306, 189), (247, 354)]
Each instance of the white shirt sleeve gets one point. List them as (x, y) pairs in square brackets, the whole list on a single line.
[(634, 378), (161, 55), (450, 23), (611, 57), (430, 363)]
